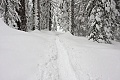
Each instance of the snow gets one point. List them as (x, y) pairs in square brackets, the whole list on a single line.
[(93, 61), (22, 55), (45, 55), (66, 72)]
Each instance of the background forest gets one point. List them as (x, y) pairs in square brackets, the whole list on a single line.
[(96, 19)]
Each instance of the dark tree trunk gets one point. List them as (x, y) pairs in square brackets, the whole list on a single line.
[(18, 25), (72, 17), (33, 13), (6, 11), (22, 15), (38, 6), (50, 20), (18, 22)]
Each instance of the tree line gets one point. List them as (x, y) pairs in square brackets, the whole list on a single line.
[(95, 19), (98, 20)]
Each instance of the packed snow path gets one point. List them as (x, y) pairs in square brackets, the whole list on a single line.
[(66, 71)]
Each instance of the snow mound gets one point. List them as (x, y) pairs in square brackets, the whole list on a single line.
[(5, 29), (26, 56), (3, 26), (91, 60), (68, 34)]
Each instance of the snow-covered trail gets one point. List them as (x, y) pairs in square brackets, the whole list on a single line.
[(66, 71)]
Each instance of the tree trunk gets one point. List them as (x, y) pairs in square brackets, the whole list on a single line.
[(38, 6), (33, 12), (72, 17), (22, 15), (6, 11), (50, 16)]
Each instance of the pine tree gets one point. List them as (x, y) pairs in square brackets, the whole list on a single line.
[(80, 19), (102, 17), (22, 14), (10, 13), (29, 15), (65, 15), (36, 14)]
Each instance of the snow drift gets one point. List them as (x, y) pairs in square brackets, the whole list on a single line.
[(24, 56), (92, 60)]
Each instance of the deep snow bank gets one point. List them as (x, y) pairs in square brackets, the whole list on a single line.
[(91, 60), (26, 56)]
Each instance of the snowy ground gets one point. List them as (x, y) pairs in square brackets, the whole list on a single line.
[(93, 61), (44, 55)]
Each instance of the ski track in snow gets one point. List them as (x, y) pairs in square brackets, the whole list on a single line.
[(58, 66), (49, 71), (66, 71)]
